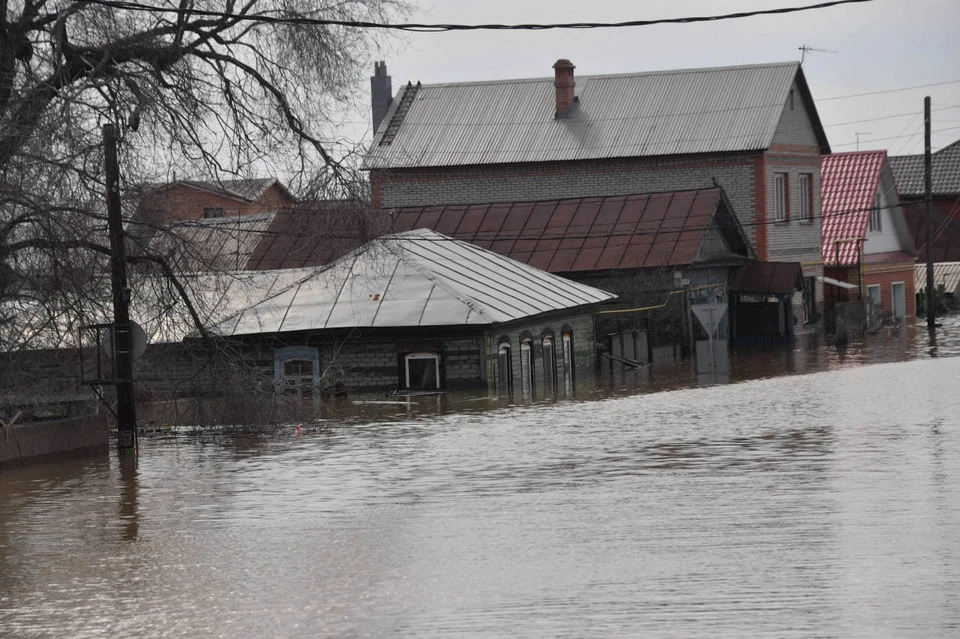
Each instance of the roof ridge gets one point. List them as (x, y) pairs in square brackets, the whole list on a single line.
[(625, 74)]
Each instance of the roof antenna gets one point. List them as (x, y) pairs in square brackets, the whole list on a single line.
[(804, 50), (858, 134)]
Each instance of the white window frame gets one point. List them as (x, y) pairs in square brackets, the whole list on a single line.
[(526, 367), (805, 192), (425, 355), (780, 204), (505, 369), (879, 290), (568, 363), (876, 221), (893, 301), (549, 353)]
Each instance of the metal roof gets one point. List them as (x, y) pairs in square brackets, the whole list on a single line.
[(944, 231), (417, 278), (312, 235), (946, 274), (593, 233), (944, 172), (225, 243), (639, 114), (848, 188), (245, 190)]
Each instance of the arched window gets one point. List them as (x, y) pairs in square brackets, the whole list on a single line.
[(504, 370), (526, 367), (568, 363), (549, 366)]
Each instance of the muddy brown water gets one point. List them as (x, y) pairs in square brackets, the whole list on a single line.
[(821, 504)]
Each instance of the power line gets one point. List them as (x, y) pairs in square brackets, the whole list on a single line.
[(911, 88), (441, 27)]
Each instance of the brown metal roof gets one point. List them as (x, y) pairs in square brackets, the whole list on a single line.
[(558, 236), (586, 234), (316, 236), (767, 278)]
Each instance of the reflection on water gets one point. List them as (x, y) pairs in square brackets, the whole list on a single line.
[(816, 505)]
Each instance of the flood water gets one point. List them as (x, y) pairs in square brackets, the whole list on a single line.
[(824, 504)]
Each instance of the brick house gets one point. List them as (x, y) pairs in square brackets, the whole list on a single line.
[(187, 200), (866, 241), (908, 171), (752, 130)]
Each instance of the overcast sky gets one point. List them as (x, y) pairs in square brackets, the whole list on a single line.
[(880, 45)]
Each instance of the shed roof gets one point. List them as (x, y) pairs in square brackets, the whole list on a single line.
[(848, 188), (944, 172), (417, 278), (708, 110), (767, 278)]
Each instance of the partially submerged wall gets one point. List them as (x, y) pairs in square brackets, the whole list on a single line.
[(38, 441)]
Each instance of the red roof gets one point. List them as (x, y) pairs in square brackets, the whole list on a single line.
[(848, 187), (583, 234)]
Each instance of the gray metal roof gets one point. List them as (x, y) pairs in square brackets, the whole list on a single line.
[(638, 114), (944, 172), (417, 278)]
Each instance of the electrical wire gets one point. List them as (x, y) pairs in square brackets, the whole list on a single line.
[(441, 27)]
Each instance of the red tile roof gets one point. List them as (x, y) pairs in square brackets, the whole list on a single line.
[(848, 186)]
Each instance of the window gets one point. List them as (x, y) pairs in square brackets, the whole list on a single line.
[(422, 371), (805, 193), (212, 211), (504, 371), (568, 363), (809, 300), (296, 369), (526, 367), (780, 197), (875, 224), (549, 366), (898, 301), (873, 294)]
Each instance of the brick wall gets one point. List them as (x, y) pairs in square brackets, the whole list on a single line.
[(581, 327), (181, 203)]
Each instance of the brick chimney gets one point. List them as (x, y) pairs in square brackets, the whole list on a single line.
[(564, 84), (381, 93)]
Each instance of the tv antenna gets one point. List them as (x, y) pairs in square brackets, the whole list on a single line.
[(858, 134), (804, 50)]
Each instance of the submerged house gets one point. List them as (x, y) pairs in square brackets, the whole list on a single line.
[(867, 248), (945, 202), (420, 311), (751, 130)]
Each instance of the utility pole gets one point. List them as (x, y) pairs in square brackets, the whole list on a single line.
[(122, 335), (927, 188)]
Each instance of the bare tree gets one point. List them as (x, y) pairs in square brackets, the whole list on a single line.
[(198, 85)]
